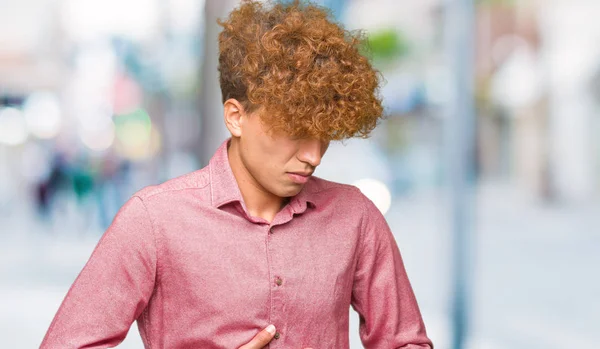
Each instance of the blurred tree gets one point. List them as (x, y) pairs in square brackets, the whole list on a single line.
[(388, 45)]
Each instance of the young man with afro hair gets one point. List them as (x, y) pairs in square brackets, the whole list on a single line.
[(253, 251)]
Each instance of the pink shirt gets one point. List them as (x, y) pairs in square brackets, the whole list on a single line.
[(187, 262)]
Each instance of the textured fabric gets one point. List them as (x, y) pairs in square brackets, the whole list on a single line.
[(187, 262)]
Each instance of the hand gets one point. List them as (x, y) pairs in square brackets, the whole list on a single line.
[(261, 339)]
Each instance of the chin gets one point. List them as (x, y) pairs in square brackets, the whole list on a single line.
[(289, 191)]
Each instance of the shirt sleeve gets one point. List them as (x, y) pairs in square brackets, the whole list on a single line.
[(113, 288), (389, 316)]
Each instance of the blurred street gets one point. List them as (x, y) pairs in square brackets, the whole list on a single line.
[(527, 255), (99, 99)]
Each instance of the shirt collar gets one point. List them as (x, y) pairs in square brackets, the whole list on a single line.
[(225, 190)]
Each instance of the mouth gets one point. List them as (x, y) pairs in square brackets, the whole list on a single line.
[(299, 177)]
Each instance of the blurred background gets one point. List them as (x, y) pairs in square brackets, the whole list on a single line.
[(487, 167)]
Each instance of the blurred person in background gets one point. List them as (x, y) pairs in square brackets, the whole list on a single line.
[(85, 179), (111, 178), (46, 188), (209, 258)]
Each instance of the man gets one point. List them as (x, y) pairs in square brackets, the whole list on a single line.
[(252, 251)]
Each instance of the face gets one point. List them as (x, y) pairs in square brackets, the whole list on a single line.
[(277, 162)]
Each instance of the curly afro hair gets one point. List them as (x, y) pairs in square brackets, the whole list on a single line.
[(301, 68)]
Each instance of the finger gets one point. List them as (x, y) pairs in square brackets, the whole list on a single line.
[(261, 339)]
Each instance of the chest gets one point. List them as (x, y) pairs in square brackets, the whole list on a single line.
[(228, 265)]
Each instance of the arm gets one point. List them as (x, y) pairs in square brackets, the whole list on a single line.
[(389, 316), (113, 288)]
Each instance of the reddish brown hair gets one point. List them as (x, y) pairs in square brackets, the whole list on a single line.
[(304, 71)]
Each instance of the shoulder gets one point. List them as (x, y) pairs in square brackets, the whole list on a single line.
[(348, 197), (340, 193), (319, 186), (190, 183)]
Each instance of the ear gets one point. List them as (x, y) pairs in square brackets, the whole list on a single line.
[(234, 113)]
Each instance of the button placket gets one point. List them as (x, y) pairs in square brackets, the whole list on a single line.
[(277, 297)]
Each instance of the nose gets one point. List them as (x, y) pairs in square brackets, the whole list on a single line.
[(311, 151)]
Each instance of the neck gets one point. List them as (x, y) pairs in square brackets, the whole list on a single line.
[(259, 202)]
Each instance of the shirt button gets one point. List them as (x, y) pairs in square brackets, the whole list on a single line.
[(277, 335), (271, 231), (278, 281)]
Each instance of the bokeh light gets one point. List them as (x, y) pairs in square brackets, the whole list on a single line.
[(43, 115), (13, 128), (137, 138), (98, 135), (377, 192)]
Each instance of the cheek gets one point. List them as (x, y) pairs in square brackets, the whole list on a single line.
[(271, 169), (261, 164), (278, 158), (268, 159)]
